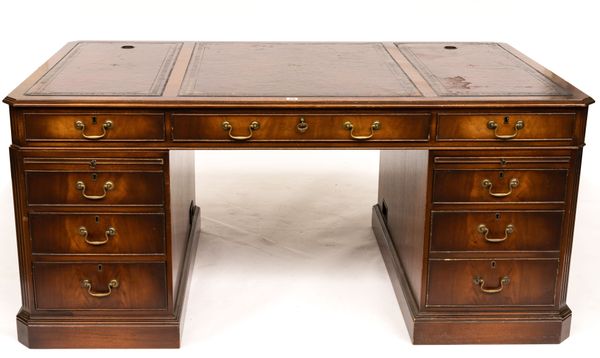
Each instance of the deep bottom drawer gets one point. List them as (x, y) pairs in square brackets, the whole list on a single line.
[(491, 282), (94, 286)]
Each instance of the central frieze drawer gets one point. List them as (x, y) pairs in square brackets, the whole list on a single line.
[(93, 286), (101, 233), (94, 188), (496, 230), (492, 282), (288, 127)]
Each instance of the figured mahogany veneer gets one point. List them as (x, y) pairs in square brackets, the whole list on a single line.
[(481, 153), (107, 126), (61, 233), (475, 126), (523, 230), (302, 127), (467, 185)]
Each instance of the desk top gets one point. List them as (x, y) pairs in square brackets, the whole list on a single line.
[(226, 74)]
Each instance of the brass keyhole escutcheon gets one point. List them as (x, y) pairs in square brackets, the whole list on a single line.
[(302, 126)]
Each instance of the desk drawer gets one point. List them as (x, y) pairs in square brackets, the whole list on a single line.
[(506, 127), (499, 186), (359, 127), (91, 127), (94, 188), (99, 286), (496, 230), (492, 282), (84, 233)]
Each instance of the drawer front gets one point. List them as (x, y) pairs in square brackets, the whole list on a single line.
[(499, 127), (496, 230), (99, 286), (499, 186), (226, 128), (492, 282), (91, 127), (98, 188), (82, 233)]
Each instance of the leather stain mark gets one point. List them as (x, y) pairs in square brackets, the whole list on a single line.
[(457, 82)]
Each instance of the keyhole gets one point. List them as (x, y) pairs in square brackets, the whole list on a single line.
[(501, 175), (100, 267), (506, 120), (497, 216), (94, 120), (493, 264), (97, 219), (94, 176)]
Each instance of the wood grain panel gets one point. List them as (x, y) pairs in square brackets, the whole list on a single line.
[(466, 186), (56, 126), (133, 188), (474, 126), (59, 233), (530, 230), (403, 181)]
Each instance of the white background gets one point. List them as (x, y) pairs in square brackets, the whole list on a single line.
[(272, 278)]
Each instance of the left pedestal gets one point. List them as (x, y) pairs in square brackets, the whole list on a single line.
[(106, 241)]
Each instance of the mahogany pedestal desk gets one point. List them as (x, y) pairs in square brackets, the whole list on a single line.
[(480, 160)]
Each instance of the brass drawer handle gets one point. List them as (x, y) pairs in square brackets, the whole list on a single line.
[(493, 125), (107, 125), (487, 184), (87, 284), (108, 186), (481, 283), (107, 234), (483, 230), (375, 126), (252, 127)]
